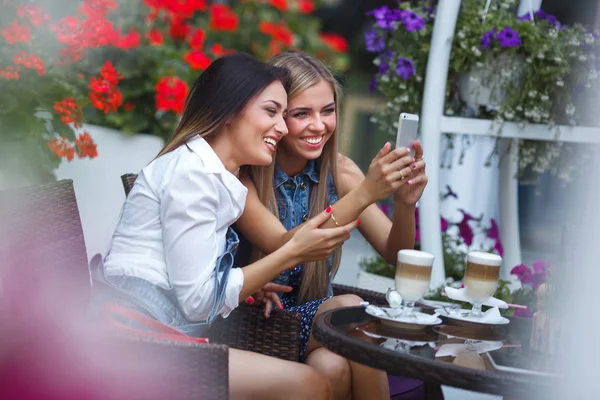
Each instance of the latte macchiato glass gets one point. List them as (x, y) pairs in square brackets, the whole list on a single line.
[(413, 273), (481, 278)]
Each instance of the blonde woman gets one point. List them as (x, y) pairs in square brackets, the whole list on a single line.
[(171, 255), (309, 175)]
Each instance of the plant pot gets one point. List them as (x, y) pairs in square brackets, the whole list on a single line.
[(377, 283), (488, 85)]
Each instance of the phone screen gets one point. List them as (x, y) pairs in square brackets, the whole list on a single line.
[(408, 126)]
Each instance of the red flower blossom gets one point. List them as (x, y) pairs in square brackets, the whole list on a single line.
[(306, 6), (335, 42), (97, 8), (16, 32), (280, 33), (223, 18), (170, 94), (69, 111), (10, 72), (155, 37), (218, 50), (197, 59), (179, 29), (34, 13), (85, 146), (62, 148), (104, 94), (128, 106), (279, 4), (129, 41), (185, 8), (197, 39), (30, 61)]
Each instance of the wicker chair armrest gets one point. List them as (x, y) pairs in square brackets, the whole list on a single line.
[(246, 328), (371, 296), (146, 367)]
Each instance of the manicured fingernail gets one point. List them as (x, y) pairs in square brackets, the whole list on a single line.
[(280, 306), (250, 300), (410, 181), (357, 222), (328, 209), (413, 166), (268, 313)]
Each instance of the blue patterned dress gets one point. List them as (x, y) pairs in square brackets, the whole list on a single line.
[(292, 195)]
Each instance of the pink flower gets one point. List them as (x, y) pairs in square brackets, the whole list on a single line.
[(493, 233), (524, 313)]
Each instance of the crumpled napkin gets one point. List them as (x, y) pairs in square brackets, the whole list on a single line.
[(396, 314), (461, 295), (452, 349)]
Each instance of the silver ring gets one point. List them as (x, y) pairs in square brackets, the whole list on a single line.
[(401, 175), (422, 158)]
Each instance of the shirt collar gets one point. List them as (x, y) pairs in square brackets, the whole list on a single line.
[(310, 170), (210, 159)]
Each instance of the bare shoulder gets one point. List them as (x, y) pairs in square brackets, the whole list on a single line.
[(349, 174), (346, 165)]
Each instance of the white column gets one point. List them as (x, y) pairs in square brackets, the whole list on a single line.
[(526, 5), (509, 208), (431, 114)]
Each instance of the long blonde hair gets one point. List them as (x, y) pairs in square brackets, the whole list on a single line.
[(221, 92), (306, 71)]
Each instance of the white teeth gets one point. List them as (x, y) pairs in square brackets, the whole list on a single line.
[(270, 141), (313, 140)]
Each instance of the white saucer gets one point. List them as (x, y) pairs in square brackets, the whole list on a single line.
[(388, 317), (461, 317)]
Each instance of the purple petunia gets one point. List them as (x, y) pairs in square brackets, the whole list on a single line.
[(412, 21), (385, 17), (444, 223), (509, 38), (405, 68), (373, 41), (373, 83), (486, 39), (542, 16)]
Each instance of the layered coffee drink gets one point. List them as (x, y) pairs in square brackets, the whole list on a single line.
[(413, 273), (481, 275)]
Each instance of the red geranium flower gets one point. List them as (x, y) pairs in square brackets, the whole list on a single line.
[(197, 59), (171, 92), (335, 42), (155, 37), (197, 39), (306, 6), (16, 32), (279, 4), (85, 146), (223, 18)]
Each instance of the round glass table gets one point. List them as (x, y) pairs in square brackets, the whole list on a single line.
[(495, 361)]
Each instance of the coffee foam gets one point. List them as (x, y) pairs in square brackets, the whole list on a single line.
[(415, 257), (489, 259)]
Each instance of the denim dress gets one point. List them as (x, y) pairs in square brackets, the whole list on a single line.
[(156, 302), (292, 195)]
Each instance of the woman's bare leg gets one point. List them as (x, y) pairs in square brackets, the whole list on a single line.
[(366, 382), (256, 376), (335, 369)]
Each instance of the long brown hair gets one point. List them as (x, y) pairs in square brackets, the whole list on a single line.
[(306, 71), (222, 91)]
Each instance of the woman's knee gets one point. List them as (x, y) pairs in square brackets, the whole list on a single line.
[(335, 368), (345, 300), (309, 384)]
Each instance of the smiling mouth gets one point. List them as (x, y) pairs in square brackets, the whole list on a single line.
[(315, 140), (271, 143)]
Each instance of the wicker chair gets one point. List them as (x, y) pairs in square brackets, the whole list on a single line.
[(247, 329), (45, 280)]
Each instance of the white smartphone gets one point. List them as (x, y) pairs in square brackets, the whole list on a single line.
[(408, 126)]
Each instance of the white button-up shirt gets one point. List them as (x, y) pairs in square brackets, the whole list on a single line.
[(173, 227)]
